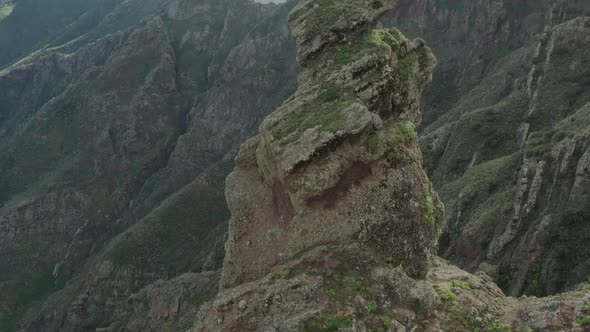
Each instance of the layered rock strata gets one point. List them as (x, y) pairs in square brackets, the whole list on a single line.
[(338, 161), (334, 222)]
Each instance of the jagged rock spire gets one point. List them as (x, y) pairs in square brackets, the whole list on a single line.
[(334, 222), (338, 161)]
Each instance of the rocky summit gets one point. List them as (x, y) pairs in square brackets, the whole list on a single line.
[(338, 161), (334, 223)]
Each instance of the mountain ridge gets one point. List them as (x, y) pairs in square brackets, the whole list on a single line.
[(68, 264)]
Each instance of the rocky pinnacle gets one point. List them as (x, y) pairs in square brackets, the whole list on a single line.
[(338, 162), (334, 222)]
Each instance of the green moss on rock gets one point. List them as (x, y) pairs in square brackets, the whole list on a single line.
[(372, 306), (325, 111), (461, 284), (328, 323), (6, 10), (406, 66), (473, 321), (429, 211), (284, 272), (393, 138), (326, 13), (353, 284), (376, 42), (446, 294), (373, 143), (403, 132)]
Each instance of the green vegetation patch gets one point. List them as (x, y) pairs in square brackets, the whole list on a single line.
[(482, 178), (374, 42), (329, 323), (429, 211), (544, 141), (284, 272), (372, 306), (406, 66), (5, 11), (325, 111), (329, 273), (568, 235), (342, 290), (461, 284), (402, 132), (477, 322), (348, 294), (373, 143), (446, 294), (487, 190), (392, 137), (380, 323), (353, 284), (327, 12), (417, 59)]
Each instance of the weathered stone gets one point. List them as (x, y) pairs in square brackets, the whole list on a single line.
[(332, 160)]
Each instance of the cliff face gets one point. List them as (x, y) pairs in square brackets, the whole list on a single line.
[(338, 161), (498, 142), (113, 153), (334, 222), (119, 121)]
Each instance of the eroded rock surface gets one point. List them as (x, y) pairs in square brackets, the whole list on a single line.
[(338, 161), (353, 288), (334, 223)]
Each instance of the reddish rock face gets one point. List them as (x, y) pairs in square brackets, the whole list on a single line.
[(353, 177)]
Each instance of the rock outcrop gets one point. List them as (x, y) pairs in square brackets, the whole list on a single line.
[(94, 214), (352, 288), (167, 305), (338, 161), (334, 222)]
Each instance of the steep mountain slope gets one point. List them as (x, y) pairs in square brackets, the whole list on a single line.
[(114, 153), (499, 142), (119, 121), (334, 222), (29, 27)]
